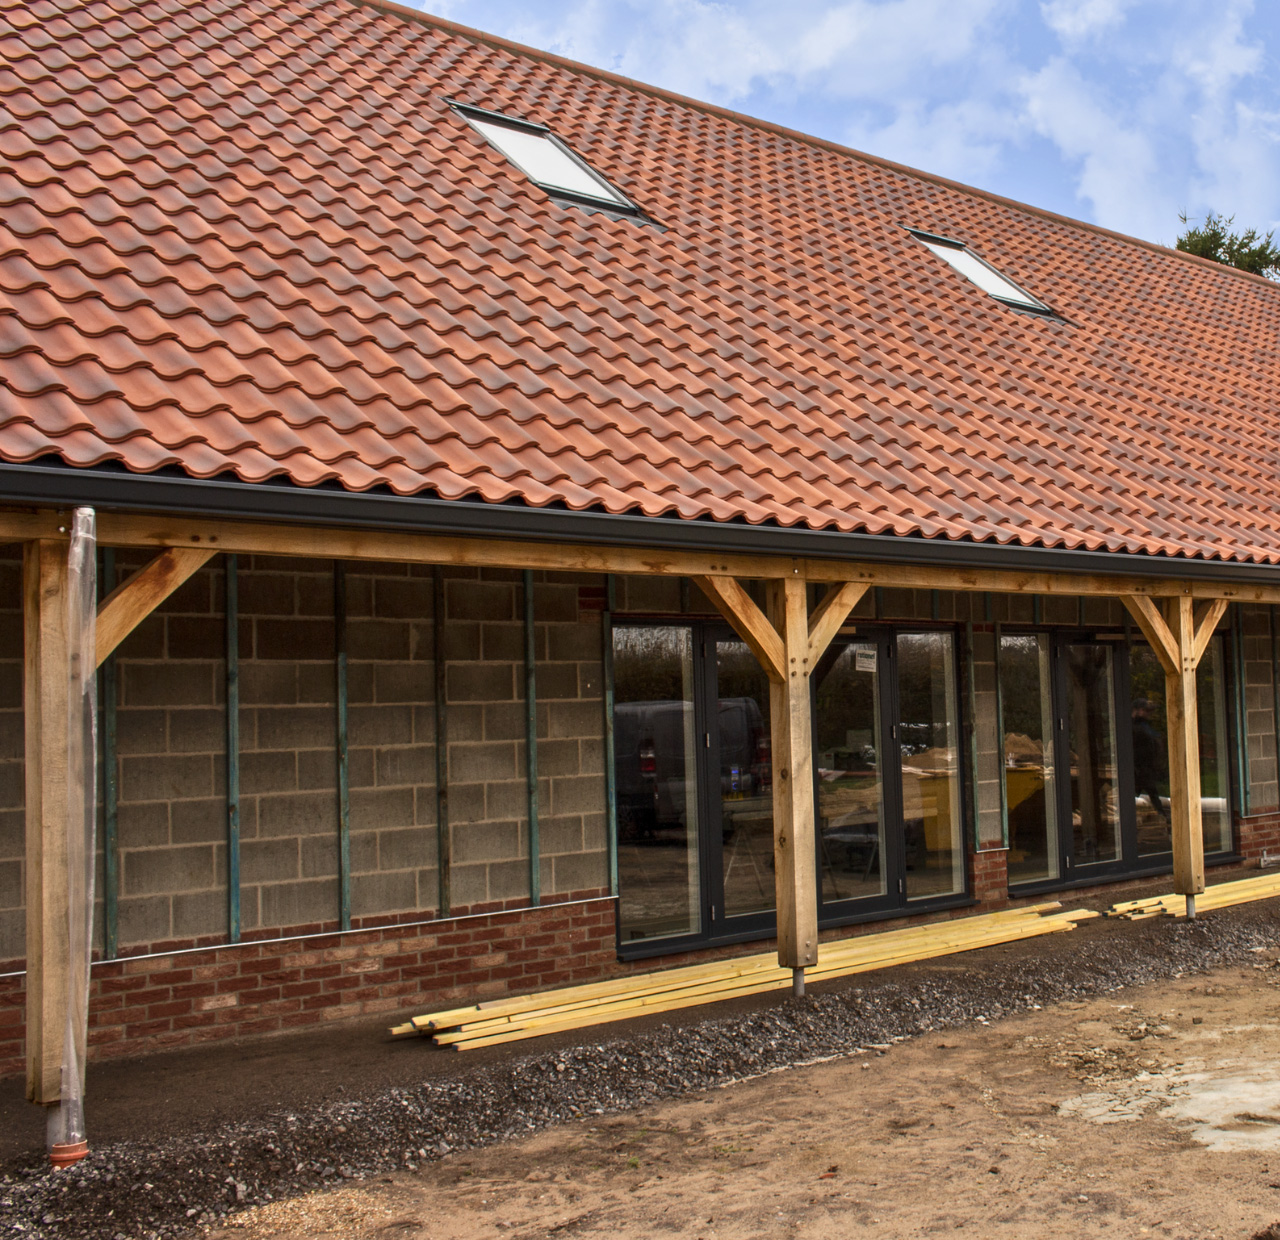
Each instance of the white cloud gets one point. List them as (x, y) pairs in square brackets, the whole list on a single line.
[(1125, 110), (1117, 165), (725, 52), (1075, 20)]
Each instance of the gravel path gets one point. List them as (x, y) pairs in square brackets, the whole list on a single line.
[(134, 1189)]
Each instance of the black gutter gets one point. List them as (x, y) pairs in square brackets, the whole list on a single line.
[(104, 489)]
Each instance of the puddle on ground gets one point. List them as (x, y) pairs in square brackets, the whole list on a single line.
[(1235, 1105)]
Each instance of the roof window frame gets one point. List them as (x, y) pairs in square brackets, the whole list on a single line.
[(620, 206), (1032, 305)]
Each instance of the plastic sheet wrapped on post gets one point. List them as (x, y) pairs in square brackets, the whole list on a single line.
[(67, 1138)]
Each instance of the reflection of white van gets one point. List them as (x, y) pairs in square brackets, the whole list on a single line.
[(654, 752)]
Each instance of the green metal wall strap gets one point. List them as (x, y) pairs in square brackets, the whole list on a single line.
[(233, 749), (531, 739), (344, 770)]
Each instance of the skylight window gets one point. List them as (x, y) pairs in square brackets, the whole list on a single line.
[(981, 273), (545, 160)]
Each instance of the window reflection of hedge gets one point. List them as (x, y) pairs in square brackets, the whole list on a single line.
[(648, 664), (1021, 702), (739, 675), (846, 702)]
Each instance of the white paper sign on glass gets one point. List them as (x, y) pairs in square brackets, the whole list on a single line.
[(542, 160)]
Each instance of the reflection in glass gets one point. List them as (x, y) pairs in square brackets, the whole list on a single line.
[(927, 738), (1211, 707), (850, 806), (1030, 785), (655, 774), (746, 781), (1151, 754), (1091, 740), (1149, 731)]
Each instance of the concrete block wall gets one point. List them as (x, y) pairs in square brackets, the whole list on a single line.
[(172, 767), (488, 802), (391, 740), (288, 744), (171, 763), (12, 794)]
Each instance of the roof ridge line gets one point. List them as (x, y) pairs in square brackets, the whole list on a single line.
[(715, 109)]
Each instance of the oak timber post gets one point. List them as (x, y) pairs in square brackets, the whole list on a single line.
[(788, 642), (794, 838), (47, 711), (1179, 635), (1184, 754)]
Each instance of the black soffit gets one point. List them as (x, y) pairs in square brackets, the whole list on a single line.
[(283, 503)]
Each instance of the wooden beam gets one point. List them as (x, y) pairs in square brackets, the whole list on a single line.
[(1207, 617), (794, 829), (748, 621), (1184, 753), (247, 537), (830, 614), (26, 525), (1156, 630), (46, 709), (133, 601)]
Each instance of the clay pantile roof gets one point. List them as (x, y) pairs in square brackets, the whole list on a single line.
[(254, 240)]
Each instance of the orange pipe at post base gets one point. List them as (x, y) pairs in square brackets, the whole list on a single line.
[(69, 1153)]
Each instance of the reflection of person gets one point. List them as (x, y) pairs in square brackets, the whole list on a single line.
[(1149, 765)]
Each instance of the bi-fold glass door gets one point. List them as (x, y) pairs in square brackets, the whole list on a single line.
[(694, 781), (1086, 772)]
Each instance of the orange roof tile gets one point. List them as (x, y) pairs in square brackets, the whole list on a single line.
[(253, 239)]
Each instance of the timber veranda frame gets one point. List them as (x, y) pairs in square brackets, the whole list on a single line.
[(1176, 615)]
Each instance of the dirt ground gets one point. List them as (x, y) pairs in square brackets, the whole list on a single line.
[(1152, 1112)]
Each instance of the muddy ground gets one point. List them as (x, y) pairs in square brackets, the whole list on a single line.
[(985, 1116), (1152, 1114)]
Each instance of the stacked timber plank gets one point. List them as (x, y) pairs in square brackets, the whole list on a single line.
[(576, 1007), (1220, 895)]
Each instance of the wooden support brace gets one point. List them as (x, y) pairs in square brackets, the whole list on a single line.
[(788, 642), (133, 601), (747, 620), (830, 614), (1179, 635)]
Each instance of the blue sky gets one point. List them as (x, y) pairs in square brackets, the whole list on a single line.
[(1123, 112)]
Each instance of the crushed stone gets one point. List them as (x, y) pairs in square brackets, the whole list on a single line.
[(146, 1190)]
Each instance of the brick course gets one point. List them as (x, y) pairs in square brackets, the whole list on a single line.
[(185, 997)]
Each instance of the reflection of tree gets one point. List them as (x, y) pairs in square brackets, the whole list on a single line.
[(740, 675), (1021, 703), (924, 674), (649, 664), (846, 701)]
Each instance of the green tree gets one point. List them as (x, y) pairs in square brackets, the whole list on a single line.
[(1247, 250)]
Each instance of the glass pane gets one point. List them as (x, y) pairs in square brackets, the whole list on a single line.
[(927, 739), (1149, 730), (655, 773), (846, 744), (1091, 738), (990, 281), (538, 156), (1151, 753), (1030, 786), (746, 781), (1211, 704)]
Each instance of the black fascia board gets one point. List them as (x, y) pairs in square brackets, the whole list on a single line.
[(283, 503)]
